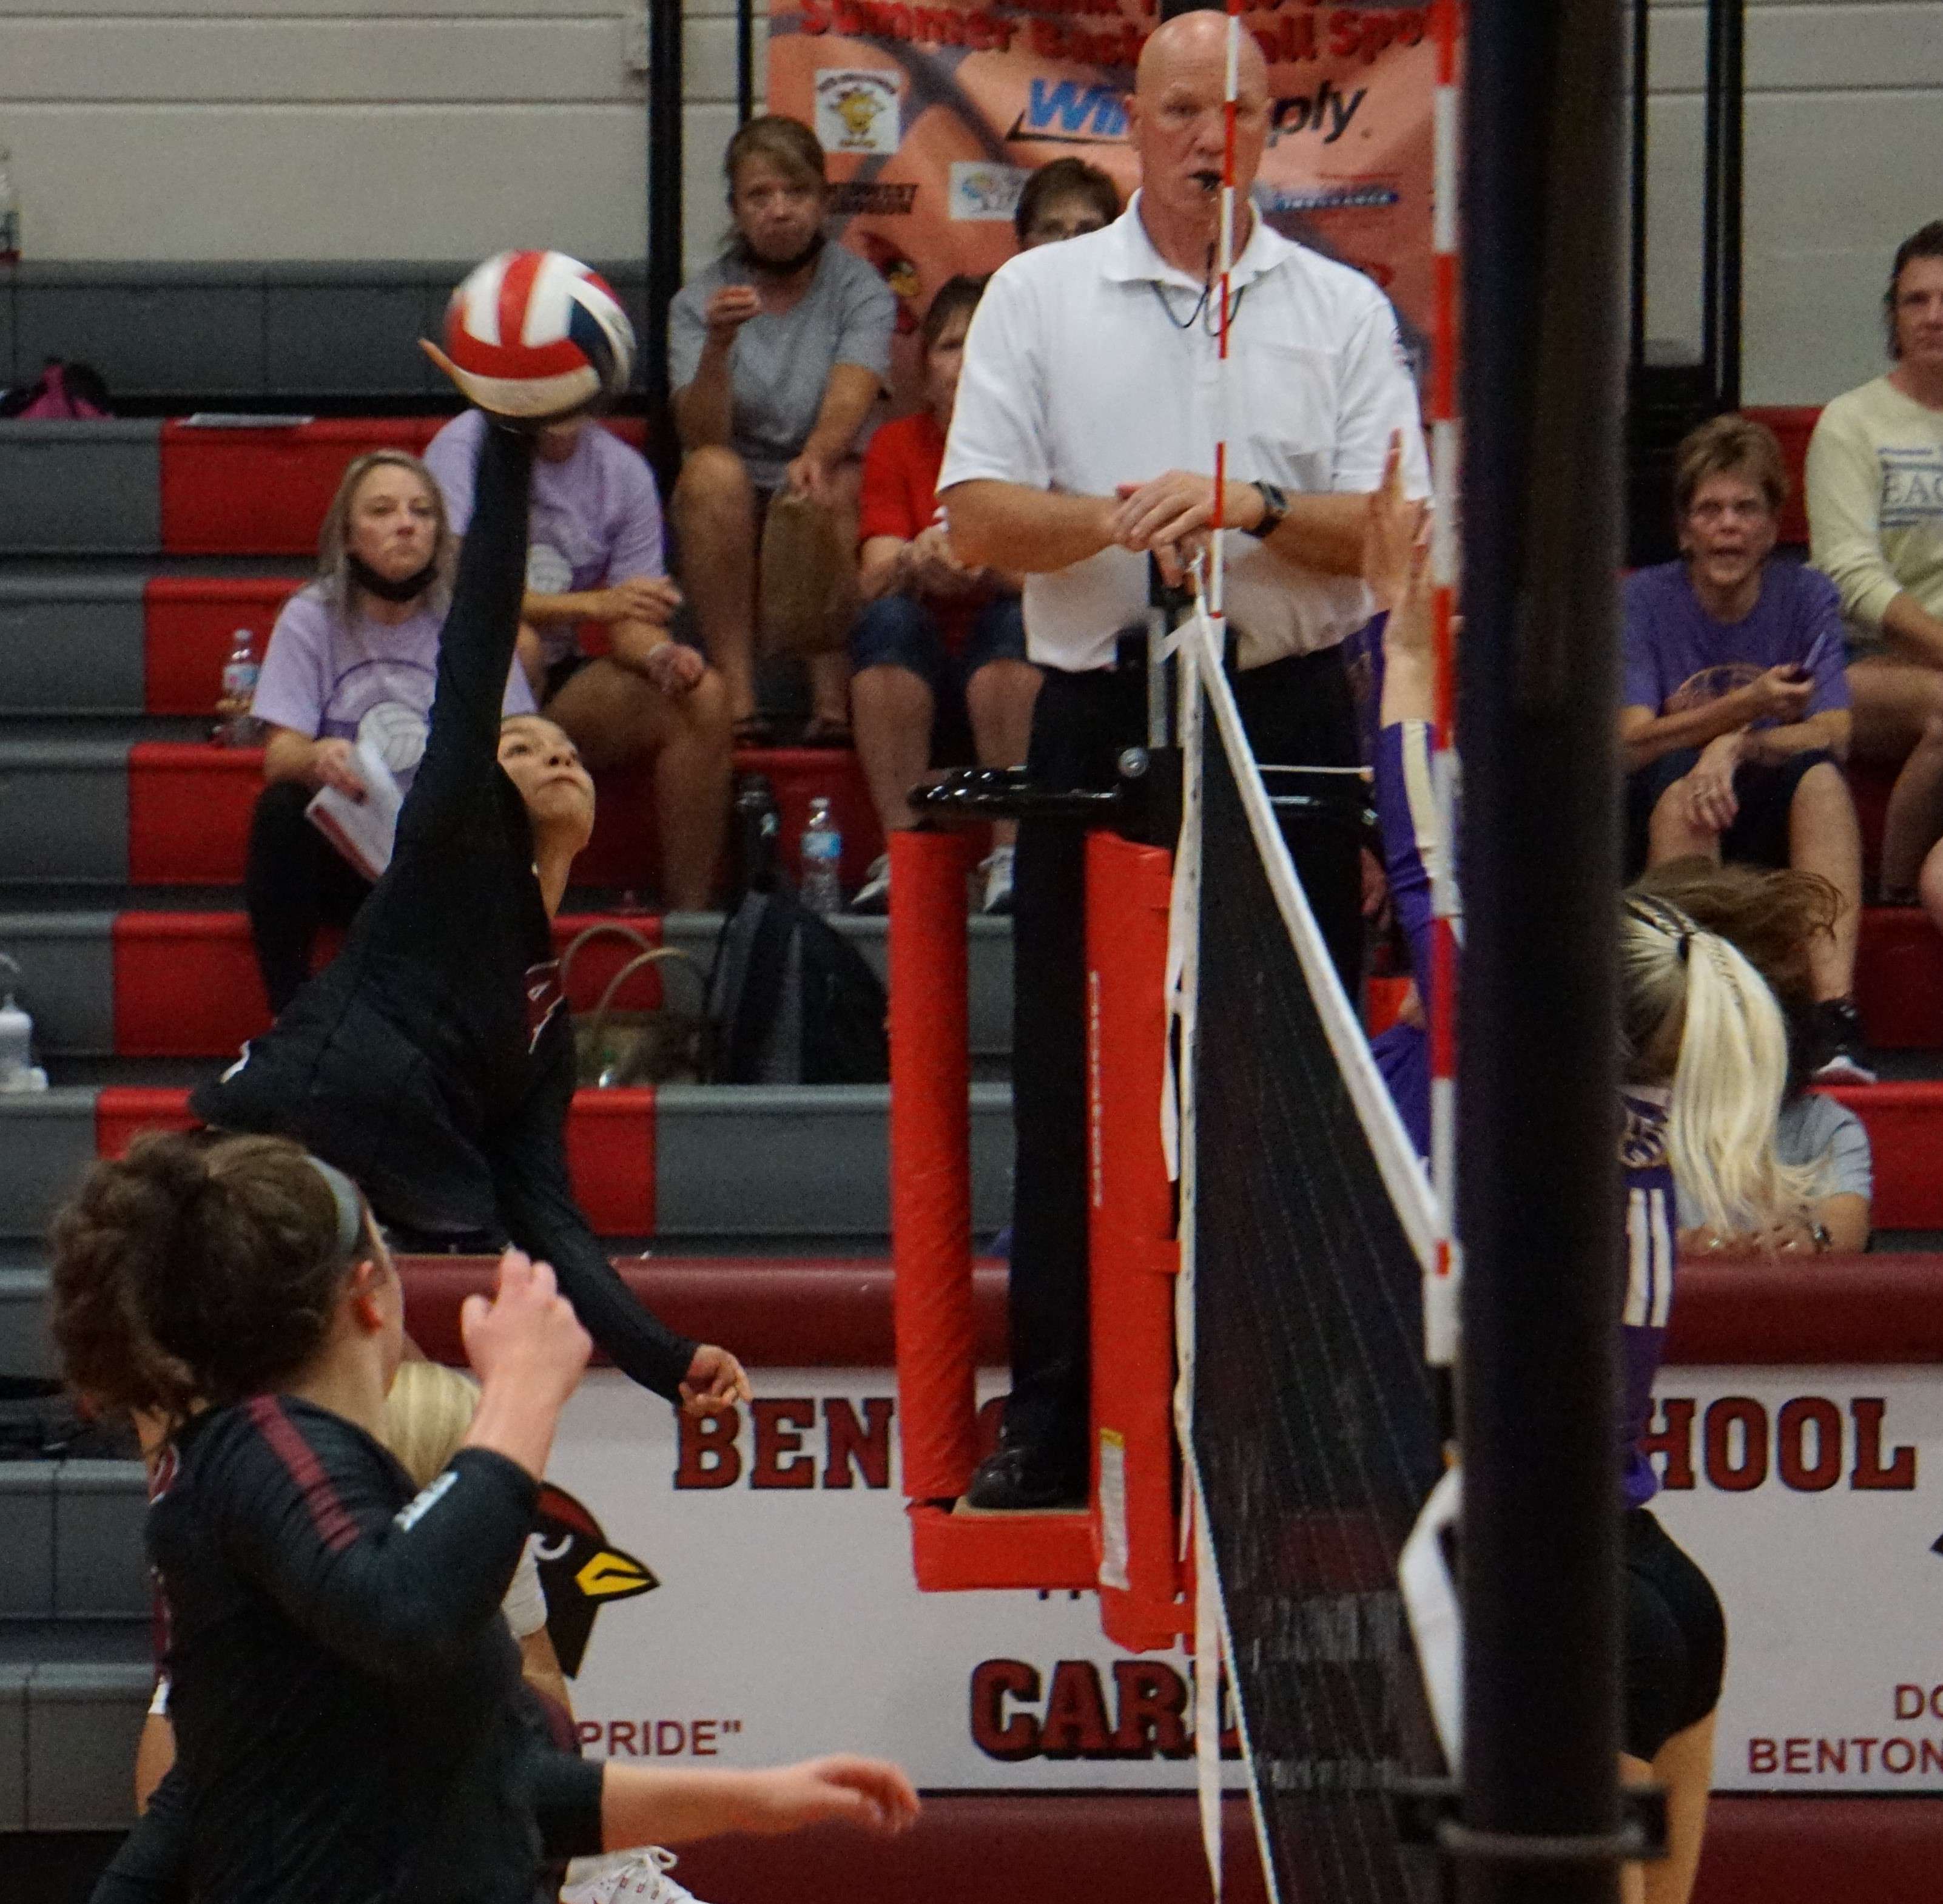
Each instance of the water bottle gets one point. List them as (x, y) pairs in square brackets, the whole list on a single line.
[(237, 727), (18, 1071), (757, 824), (822, 855), (9, 212)]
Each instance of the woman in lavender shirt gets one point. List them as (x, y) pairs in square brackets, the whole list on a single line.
[(353, 655)]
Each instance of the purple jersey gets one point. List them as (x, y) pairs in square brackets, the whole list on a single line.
[(1406, 812), (1651, 1251), (595, 519), (325, 677), (1677, 657)]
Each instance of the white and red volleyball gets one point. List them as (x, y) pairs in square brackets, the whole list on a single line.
[(533, 334)]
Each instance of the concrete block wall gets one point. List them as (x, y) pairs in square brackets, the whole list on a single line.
[(1842, 100)]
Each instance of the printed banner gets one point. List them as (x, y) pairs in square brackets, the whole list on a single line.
[(743, 1592), (780, 1619), (932, 115), (1811, 1497)]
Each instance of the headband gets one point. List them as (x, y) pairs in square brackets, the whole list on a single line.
[(350, 1204)]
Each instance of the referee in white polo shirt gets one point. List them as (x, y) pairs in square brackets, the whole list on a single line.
[(1082, 442)]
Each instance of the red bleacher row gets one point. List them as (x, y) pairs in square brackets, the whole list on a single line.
[(189, 806), (610, 1142)]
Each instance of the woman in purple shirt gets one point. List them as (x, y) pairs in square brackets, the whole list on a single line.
[(353, 657)]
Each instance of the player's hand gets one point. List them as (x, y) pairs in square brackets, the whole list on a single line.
[(1710, 786), (731, 308), (1395, 538), (714, 1382), (675, 668), (1780, 694), (866, 1792), (651, 598), (333, 762), (527, 1336)]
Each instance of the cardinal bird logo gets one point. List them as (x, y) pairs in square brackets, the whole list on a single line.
[(581, 1571)]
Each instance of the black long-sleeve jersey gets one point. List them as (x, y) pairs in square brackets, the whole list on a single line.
[(433, 1060), (350, 1724)]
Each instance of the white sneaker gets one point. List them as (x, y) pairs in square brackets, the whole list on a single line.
[(995, 875), (874, 894), (636, 1877)]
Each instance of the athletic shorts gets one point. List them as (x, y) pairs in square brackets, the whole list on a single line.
[(1676, 1637), (1759, 834)]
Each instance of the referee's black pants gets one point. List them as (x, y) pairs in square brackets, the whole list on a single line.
[(1298, 711)]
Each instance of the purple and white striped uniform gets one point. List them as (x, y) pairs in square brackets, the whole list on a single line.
[(1652, 1248)]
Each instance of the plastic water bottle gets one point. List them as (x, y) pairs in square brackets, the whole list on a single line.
[(18, 1071), (238, 727), (757, 824), (822, 855), (10, 211)]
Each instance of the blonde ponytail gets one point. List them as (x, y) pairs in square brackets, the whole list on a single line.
[(1694, 1006)]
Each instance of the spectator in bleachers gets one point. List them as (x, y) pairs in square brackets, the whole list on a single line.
[(778, 354), (1875, 523), (1065, 198), (939, 647), (1734, 710), (593, 554), (1776, 919), (353, 654)]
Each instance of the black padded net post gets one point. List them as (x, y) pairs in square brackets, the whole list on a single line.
[(1316, 1437)]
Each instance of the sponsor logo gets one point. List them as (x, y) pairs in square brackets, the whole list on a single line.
[(872, 197), (982, 191), (856, 110), (1327, 112), (424, 1501), (1064, 113)]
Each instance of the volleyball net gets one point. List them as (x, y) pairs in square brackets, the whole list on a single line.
[(1311, 1420)]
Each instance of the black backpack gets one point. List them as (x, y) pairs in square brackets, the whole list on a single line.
[(792, 1001)]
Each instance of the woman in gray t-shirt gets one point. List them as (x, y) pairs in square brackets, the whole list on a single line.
[(778, 353)]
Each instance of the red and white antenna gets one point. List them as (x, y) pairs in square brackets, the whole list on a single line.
[(1440, 1291)]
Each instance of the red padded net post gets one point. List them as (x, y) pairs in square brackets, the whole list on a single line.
[(931, 1164), (1135, 1254)]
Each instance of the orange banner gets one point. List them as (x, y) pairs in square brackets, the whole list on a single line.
[(932, 116)]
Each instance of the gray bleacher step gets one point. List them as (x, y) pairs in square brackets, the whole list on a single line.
[(83, 1721), (91, 488), (759, 1161), (66, 956), (752, 1162), (73, 1550), (63, 810), (25, 1347)]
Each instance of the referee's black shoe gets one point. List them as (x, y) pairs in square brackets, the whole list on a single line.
[(1022, 1479)]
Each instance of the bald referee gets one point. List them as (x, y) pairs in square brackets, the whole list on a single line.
[(1083, 441)]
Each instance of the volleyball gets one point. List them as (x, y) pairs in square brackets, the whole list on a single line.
[(534, 336)]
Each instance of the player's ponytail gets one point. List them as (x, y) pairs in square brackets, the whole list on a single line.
[(1695, 1014), (191, 1273)]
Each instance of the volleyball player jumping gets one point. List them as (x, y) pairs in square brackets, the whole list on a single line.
[(433, 1060), (1705, 1055)]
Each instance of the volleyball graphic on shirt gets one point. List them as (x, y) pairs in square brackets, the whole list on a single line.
[(396, 733), (548, 572), (535, 335)]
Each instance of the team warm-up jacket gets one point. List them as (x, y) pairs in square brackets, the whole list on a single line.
[(350, 1724), (433, 1060)]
